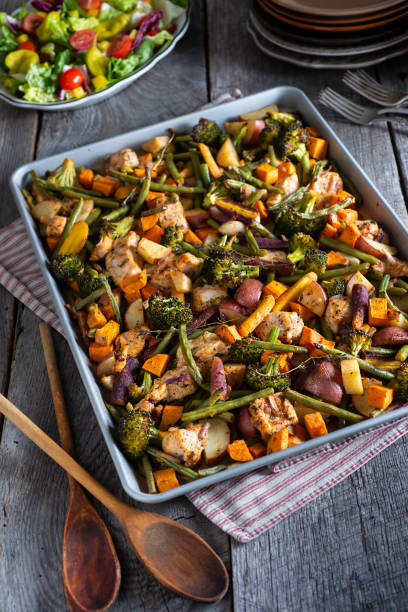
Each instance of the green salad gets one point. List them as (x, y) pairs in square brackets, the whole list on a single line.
[(54, 50)]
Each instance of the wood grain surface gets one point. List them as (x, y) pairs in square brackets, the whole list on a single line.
[(347, 550)]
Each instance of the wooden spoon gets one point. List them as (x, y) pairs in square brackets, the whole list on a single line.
[(176, 556), (90, 564)]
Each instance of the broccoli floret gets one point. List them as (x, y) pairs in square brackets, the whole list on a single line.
[(207, 132), (134, 432), (298, 245), (168, 312), (269, 375), (136, 392), (66, 267), (65, 175), (315, 260), (245, 351), (293, 141), (118, 229), (88, 282), (216, 190), (238, 139), (336, 286), (172, 237), (270, 133), (356, 341), (400, 383), (224, 267), (282, 118)]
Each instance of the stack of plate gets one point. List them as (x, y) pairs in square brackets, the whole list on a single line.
[(330, 33)]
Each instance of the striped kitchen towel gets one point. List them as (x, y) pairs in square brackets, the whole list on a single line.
[(249, 504)]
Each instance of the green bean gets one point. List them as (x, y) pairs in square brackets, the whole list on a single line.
[(28, 198), (400, 283), (205, 175), (280, 348), (92, 297), (144, 190), (325, 212), (382, 287), (164, 342), (320, 406), (254, 197), (162, 179), (402, 354), (305, 168), (252, 180), (229, 417), (379, 350), (364, 365), (176, 466), (213, 223), (188, 356), (345, 248), (396, 291), (148, 472), (270, 277), (344, 271), (220, 467), (108, 290), (151, 211), (93, 216), (183, 156), (290, 198), (222, 407), (157, 186), (263, 231), (104, 202), (183, 138), (273, 334), (252, 242), (76, 211), (172, 168), (327, 332), (53, 187), (115, 214), (115, 412)]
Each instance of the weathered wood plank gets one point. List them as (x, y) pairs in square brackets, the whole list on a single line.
[(32, 486), (342, 551)]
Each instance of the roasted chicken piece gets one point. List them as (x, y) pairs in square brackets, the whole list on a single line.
[(186, 444), (172, 386), (123, 261), (172, 213), (129, 343), (124, 158), (288, 184), (327, 182), (271, 414), (290, 326), (204, 349), (338, 312)]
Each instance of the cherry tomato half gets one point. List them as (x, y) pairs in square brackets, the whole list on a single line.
[(90, 5), (121, 46), (82, 40), (71, 79), (152, 33), (31, 23), (28, 45)]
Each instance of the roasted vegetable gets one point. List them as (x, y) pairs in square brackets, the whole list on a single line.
[(336, 286), (65, 175), (245, 351), (66, 267), (88, 282), (226, 268), (357, 340), (315, 260), (168, 312), (207, 132), (400, 384), (270, 133), (299, 243), (173, 237), (292, 142), (269, 375), (118, 229), (134, 432)]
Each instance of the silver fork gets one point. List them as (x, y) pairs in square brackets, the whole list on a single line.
[(357, 113), (371, 89)]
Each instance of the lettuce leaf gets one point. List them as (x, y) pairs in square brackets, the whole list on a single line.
[(7, 39), (120, 68), (108, 12), (80, 23), (123, 5), (34, 94), (171, 11), (161, 38), (41, 77)]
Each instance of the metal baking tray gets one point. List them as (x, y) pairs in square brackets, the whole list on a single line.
[(287, 98), (181, 24)]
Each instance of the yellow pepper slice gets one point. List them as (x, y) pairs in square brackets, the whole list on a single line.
[(96, 61), (112, 27), (20, 61)]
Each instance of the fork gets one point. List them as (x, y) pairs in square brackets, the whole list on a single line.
[(357, 113), (371, 89)]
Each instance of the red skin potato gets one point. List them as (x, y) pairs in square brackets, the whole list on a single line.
[(244, 424), (254, 128), (232, 311), (248, 293)]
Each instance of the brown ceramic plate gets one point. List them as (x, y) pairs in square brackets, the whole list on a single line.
[(326, 28), (335, 21), (337, 8)]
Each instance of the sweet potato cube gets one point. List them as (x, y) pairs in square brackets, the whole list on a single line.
[(106, 335), (302, 311), (148, 291), (238, 451), (257, 450), (95, 318), (228, 333), (203, 232), (192, 238), (274, 288), (166, 479), (267, 173), (335, 260), (278, 441), (350, 234), (147, 223), (154, 234), (330, 230), (99, 352), (170, 416), (157, 364), (315, 424), (348, 215), (310, 337), (318, 148), (86, 178), (297, 434), (377, 311), (106, 185), (379, 396), (123, 191), (285, 169)]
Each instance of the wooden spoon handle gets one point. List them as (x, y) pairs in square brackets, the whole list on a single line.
[(56, 389), (40, 438)]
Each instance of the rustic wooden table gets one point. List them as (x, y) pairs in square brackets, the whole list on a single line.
[(348, 549)]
